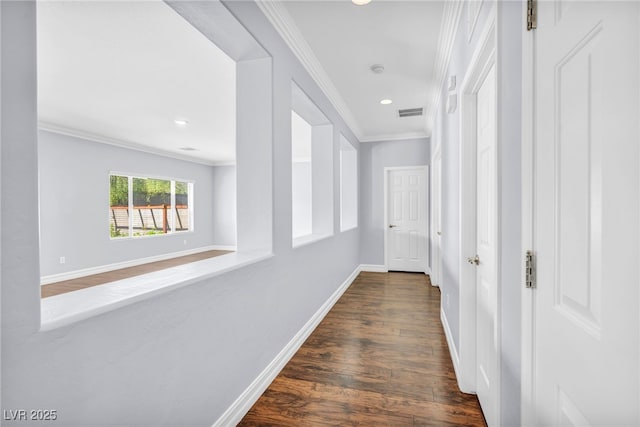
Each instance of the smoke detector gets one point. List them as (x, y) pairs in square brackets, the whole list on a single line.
[(377, 68)]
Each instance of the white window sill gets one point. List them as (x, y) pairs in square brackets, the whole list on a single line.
[(309, 239), (349, 228), (65, 309)]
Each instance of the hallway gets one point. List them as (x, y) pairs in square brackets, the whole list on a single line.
[(379, 357)]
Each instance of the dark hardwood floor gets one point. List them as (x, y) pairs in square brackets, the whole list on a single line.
[(379, 358), (123, 273)]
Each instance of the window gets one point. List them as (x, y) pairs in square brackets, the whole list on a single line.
[(311, 170), (348, 185), (140, 206)]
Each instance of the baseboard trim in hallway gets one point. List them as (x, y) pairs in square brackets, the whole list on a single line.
[(373, 268), (455, 359), (239, 408)]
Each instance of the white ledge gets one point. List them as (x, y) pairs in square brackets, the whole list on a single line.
[(309, 239), (69, 275), (65, 309), (351, 227)]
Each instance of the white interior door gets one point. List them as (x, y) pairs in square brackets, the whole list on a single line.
[(436, 218), (585, 362), (406, 219), (487, 374)]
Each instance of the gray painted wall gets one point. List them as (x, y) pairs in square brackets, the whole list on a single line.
[(447, 133), (374, 157), (74, 200), (180, 358), (224, 206)]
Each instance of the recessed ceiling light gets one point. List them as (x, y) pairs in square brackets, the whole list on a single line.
[(360, 2), (181, 122), (386, 102)]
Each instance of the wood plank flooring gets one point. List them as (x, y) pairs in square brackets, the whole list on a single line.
[(379, 358), (123, 273)]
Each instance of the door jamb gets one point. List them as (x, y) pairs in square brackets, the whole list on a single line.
[(639, 191), (527, 379), (425, 170), (484, 58)]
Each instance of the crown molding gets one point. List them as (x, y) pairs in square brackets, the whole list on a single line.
[(395, 137), (446, 38), (76, 133), (281, 20)]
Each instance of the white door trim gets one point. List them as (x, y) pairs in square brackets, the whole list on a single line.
[(435, 213), (425, 169), (484, 58)]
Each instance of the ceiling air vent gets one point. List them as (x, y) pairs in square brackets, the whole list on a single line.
[(410, 112)]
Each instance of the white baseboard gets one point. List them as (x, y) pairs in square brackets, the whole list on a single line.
[(245, 401), (373, 268), (452, 348), (376, 268), (222, 248), (60, 277)]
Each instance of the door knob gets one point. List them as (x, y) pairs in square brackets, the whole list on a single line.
[(392, 226), (439, 233), (474, 260)]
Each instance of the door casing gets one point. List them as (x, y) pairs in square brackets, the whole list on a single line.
[(436, 217), (483, 59)]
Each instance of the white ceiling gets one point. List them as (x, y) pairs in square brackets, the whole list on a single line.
[(347, 39), (122, 72)]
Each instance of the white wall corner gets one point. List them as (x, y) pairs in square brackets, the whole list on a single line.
[(239, 408)]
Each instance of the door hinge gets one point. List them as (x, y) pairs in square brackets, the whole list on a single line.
[(529, 270), (532, 15)]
